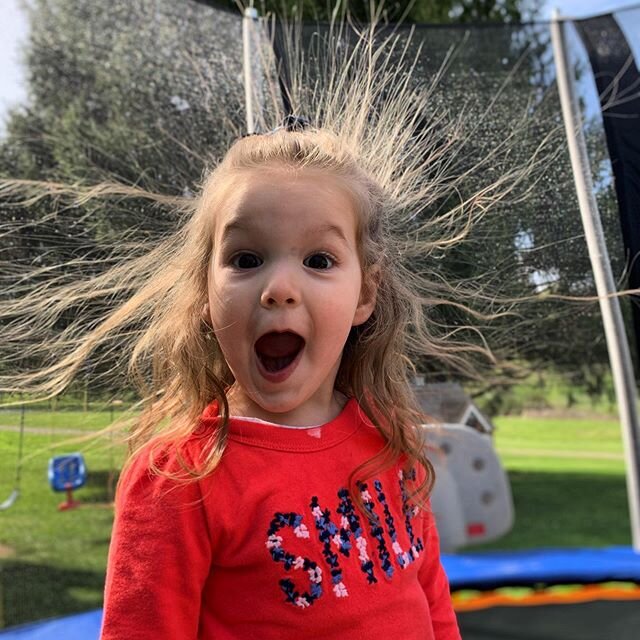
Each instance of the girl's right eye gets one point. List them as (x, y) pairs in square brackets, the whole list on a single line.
[(246, 261)]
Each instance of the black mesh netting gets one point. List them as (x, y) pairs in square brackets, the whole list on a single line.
[(503, 77)]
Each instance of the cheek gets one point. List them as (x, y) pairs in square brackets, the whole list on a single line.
[(230, 312), (219, 292), (336, 314), (216, 306), (230, 330), (213, 296)]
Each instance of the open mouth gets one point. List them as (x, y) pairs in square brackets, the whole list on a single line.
[(277, 350)]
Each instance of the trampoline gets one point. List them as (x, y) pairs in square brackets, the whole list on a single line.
[(567, 594), (603, 602)]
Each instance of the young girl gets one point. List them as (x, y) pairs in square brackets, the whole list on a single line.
[(287, 509), (277, 485)]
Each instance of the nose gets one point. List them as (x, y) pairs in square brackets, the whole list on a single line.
[(280, 288)]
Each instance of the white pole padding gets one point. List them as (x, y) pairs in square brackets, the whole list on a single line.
[(248, 24), (617, 344)]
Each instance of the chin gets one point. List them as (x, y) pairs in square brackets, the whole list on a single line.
[(277, 406)]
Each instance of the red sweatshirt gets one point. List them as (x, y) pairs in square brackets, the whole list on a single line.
[(271, 546)]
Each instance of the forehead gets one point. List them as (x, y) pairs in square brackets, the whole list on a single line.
[(267, 197)]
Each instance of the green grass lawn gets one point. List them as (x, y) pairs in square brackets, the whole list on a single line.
[(560, 500), (554, 434), (53, 421), (57, 560)]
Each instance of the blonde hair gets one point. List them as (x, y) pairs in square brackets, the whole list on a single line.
[(371, 126)]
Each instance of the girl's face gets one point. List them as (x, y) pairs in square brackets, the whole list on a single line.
[(285, 288)]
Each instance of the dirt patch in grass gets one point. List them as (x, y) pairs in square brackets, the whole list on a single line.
[(6, 551), (554, 453)]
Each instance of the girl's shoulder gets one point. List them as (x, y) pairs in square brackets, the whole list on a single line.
[(165, 464)]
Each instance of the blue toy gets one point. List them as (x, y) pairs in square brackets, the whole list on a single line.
[(66, 473)]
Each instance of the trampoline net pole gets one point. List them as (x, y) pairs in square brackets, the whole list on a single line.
[(617, 344), (248, 26)]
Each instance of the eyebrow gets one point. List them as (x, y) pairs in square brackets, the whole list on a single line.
[(234, 225), (328, 228), (239, 224)]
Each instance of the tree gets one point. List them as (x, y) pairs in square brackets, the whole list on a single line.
[(146, 94), (150, 92)]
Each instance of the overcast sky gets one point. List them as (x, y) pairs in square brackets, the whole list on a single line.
[(13, 30)]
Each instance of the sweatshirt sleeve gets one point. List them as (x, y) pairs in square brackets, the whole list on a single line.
[(159, 556), (436, 585)]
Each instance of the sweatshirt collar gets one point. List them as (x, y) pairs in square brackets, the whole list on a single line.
[(268, 436)]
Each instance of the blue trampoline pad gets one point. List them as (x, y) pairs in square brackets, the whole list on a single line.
[(465, 571), (81, 626), (548, 566)]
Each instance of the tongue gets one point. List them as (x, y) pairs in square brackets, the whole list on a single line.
[(279, 345)]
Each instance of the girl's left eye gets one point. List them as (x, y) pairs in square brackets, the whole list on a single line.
[(319, 261)]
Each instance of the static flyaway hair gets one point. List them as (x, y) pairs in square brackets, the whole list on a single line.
[(133, 302)]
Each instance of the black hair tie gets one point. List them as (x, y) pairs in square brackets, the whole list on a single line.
[(292, 122)]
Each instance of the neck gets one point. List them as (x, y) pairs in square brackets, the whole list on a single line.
[(316, 411)]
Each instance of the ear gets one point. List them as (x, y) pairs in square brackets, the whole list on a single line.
[(205, 315), (368, 296)]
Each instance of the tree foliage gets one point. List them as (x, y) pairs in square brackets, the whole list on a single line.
[(149, 93)]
